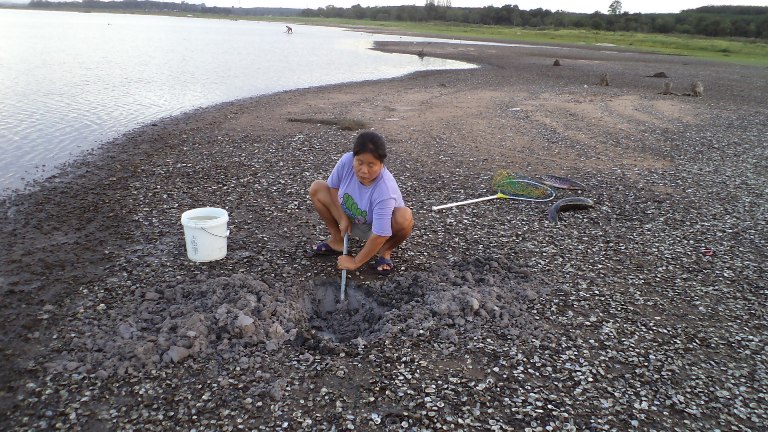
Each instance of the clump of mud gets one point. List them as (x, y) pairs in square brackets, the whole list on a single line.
[(228, 316), (463, 300)]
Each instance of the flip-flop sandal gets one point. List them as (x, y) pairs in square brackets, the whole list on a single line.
[(380, 261), (322, 248)]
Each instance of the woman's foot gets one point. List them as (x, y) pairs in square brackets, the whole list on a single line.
[(383, 266), (324, 248)]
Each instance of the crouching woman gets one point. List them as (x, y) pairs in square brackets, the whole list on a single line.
[(361, 197)]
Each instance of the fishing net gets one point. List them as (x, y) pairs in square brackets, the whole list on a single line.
[(508, 186), (525, 189), (500, 176), (513, 186)]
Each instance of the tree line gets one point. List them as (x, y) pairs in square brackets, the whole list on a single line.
[(717, 21)]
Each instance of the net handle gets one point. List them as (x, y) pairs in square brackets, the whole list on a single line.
[(498, 195)]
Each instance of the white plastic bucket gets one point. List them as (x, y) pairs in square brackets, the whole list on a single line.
[(205, 232)]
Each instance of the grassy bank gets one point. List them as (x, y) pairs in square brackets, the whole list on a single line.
[(741, 51)]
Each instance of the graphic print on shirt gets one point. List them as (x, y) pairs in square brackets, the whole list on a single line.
[(352, 210)]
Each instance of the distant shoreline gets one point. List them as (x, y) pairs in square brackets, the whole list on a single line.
[(731, 50)]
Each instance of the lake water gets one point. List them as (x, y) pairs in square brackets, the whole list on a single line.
[(71, 81)]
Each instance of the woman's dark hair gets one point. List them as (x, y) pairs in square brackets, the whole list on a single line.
[(370, 142)]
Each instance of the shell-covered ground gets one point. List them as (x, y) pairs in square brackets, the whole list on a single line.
[(646, 311)]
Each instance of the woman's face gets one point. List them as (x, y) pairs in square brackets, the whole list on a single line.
[(367, 168)]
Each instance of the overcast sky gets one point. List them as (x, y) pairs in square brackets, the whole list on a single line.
[(586, 6)]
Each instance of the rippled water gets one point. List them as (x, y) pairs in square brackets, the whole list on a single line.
[(70, 81)]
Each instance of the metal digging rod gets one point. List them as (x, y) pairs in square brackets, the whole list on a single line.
[(344, 272)]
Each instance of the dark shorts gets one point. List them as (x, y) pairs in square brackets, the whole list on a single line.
[(362, 231)]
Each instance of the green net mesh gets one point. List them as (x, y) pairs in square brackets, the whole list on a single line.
[(520, 187), (499, 177), (525, 189)]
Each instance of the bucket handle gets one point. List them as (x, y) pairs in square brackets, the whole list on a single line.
[(215, 235)]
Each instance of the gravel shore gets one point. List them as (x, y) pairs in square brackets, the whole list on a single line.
[(646, 312)]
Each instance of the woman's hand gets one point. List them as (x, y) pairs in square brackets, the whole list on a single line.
[(346, 262)]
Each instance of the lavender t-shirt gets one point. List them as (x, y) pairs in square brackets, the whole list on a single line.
[(366, 204)]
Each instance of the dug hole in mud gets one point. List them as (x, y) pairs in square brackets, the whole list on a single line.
[(233, 317)]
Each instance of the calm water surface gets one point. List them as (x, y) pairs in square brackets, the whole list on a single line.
[(70, 81)]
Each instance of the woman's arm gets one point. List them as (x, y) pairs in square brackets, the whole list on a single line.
[(345, 225)]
